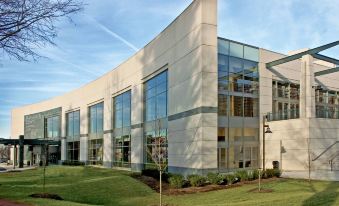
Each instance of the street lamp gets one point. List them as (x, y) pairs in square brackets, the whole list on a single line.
[(268, 130)]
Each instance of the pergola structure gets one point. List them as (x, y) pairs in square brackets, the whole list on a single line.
[(21, 142), (313, 52)]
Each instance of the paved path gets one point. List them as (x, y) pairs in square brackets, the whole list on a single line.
[(9, 168), (316, 175)]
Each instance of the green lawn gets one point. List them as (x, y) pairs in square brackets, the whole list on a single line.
[(94, 186)]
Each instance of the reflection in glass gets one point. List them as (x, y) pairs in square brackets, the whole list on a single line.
[(96, 127), (155, 117), (52, 127), (238, 86), (122, 119), (73, 135)]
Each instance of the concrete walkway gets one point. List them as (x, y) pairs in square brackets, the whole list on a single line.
[(315, 175), (9, 168)]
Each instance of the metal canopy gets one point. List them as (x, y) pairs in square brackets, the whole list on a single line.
[(327, 71), (299, 55), (326, 58)]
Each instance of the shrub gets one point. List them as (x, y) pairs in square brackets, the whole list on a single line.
[(254, 174), (242, 175), (277, 172), (176, 181), (196, 180), (269, 173), (214, 178), (230, 178), (155, 174), (73, 163)]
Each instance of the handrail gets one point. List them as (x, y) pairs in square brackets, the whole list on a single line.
[(325, 150)]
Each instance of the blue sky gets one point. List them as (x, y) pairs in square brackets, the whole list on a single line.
[(109, 31)]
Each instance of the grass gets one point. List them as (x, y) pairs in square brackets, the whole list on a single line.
[(95, 186)]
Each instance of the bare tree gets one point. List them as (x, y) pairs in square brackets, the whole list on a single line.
[(309, 162), (26, 25), (4, 152), (158, 153)]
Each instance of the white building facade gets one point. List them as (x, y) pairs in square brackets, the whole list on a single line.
[(204, 97)]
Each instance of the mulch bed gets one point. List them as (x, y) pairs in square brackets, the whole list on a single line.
[(167, 190), (10, 203), (47, 196)]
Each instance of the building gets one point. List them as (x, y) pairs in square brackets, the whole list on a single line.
[(205, 97)]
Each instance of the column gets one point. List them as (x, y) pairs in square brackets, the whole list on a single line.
[(307, 92), (107, 141), (84, 133), (137, 137)]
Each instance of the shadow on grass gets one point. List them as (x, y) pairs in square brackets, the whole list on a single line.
[(326, 197)]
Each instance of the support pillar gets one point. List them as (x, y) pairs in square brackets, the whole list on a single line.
[(21, 151), (307, 92)]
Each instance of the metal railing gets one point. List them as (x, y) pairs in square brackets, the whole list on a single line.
[(327, 113), (283, 115)]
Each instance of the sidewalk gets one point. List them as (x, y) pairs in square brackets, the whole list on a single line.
[(9, 168), (315, 175)]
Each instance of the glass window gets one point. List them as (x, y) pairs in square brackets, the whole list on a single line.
[(73, 123), (122, 119), (155, 112), (156, 97), (222, 105), (95, 151), (238, 86), (223, 46), (235, 65), (236, 50), (150, 109), (251, 53), (96, 118), (222, 63), (122, 113), (251, 106), (236, 104), (52, 127), (76, 121)]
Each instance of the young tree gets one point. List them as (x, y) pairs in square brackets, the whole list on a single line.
[(4, 152), (158, 153), (29, 24)]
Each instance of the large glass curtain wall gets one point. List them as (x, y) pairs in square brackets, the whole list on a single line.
[(122, 130), (95, 142), (286, 97), (238, 105), (73, 135), (155, 113)]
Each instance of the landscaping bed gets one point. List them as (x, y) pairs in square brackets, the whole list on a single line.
[(180, 185)]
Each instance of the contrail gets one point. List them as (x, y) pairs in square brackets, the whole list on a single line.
[(115, 35)]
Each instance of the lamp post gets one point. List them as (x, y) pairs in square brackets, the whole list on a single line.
[(268, 130)]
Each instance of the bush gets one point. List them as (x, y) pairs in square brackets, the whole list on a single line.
[(242, 175), (230, 178), (155, 174), (196, 180), (215, 178), (277, 172), (73, 163), (269, 173), (176, 181), (254, 174)]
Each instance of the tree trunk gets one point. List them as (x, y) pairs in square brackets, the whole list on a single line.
[(160, 185)]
